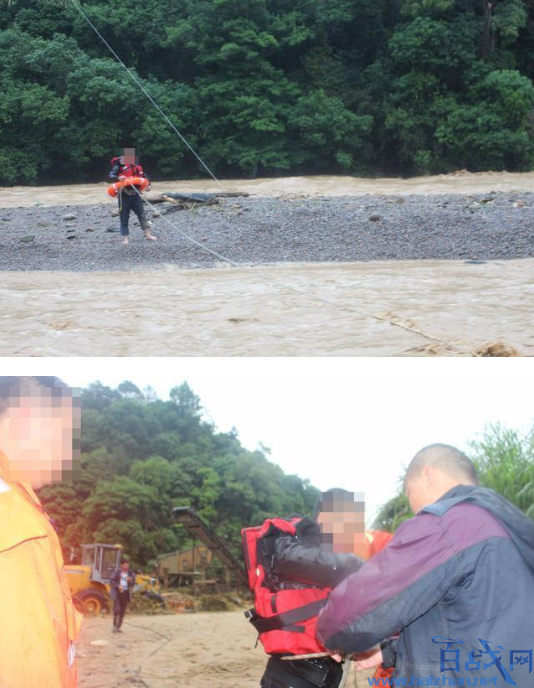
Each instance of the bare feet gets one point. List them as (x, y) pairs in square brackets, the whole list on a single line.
[(150, 237), (125, 241)]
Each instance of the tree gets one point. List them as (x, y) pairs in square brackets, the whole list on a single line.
[(329, 131), (502, 21), (264, 86), (128, 390), (394, 512), (505, 462), (142, 456), (187, 402), (495, 130)]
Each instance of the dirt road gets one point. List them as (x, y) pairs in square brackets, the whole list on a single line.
[(203, 650)]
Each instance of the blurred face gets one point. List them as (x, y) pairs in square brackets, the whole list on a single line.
[(39, 435), (342, 527), (129, 156), (125, 566)]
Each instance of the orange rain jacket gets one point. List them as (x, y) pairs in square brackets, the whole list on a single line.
[(375, 541), (38, 622)]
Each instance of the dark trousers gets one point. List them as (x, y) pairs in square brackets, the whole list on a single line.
[(302, 673), (128, 203), (119, 607)]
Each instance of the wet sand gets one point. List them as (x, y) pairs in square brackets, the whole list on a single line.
[(252, 312), (205, 650), (459, 182)]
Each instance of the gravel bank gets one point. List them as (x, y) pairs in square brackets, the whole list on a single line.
[(496, 226)]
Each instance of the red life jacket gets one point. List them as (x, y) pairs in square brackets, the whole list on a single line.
[(128, 170), (285, 619)]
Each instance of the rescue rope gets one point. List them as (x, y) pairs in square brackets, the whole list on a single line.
[(275, 281), (353, 310), (166, 640), (345, 674), (147, 94)]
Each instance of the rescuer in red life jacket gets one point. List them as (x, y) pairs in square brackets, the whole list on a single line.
[(309, 558), (129, 198)]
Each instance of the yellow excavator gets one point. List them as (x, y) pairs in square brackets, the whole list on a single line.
[(90, 582)]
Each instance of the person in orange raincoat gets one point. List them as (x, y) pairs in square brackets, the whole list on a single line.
[(38, 620)]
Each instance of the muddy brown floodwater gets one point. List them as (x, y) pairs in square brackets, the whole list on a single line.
[(320, 185), (455, 307), (253, 312)]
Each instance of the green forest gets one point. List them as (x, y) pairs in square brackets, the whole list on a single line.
[(141, 456), (266, 87)]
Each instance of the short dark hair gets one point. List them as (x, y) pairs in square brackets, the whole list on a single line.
[(334, 500), (447, 458), (11, 387)]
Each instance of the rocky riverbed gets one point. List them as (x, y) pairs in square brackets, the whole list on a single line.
[(269, 230)]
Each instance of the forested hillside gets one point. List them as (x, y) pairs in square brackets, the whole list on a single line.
[(267, 86), (142, 456)]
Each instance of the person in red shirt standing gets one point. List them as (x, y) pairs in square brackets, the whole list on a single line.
[(130, 199)]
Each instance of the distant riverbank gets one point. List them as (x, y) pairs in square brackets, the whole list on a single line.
[(460, 182)]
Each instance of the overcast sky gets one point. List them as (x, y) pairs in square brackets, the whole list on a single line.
[(352, 423)]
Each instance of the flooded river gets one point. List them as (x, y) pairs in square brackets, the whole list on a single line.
[(255, 312), (318, 185), (445, 307)]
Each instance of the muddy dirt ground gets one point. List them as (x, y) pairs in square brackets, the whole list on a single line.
[(199, 650)]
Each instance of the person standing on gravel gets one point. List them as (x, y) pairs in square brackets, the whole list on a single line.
[(122, 582), (130, 197)]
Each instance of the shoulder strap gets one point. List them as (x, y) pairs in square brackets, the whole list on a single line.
[(285, 620)]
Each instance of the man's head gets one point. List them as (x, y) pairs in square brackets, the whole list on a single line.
[(39, 429), (433, 471), (341, 516), (129, 157), (125, 564)]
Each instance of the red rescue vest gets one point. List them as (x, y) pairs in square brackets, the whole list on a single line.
[(128, 170), (285, 619)]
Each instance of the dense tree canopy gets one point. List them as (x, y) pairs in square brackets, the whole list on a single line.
[(267, 86), (142, 456)]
